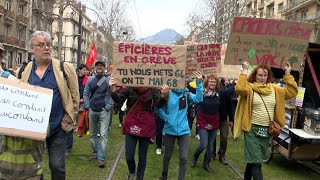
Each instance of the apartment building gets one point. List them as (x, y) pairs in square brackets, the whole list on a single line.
[(70, 33), (294, 10), (14, 24)]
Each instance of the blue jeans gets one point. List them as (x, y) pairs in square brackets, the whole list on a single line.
[(130, 147), (99, 124), (206, 142), (56, 150)]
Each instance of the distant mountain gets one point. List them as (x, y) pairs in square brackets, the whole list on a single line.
[(166, 36)]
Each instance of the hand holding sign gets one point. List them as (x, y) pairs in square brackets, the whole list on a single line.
[(287, 69), (112, 84), (198, 74), (164, 89)]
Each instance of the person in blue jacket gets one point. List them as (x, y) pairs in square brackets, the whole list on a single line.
[(174, 114)]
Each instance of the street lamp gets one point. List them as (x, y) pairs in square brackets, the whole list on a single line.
[(65, 43)]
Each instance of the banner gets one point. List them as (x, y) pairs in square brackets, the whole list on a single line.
[(148, 65), (203, 57), (92, 55), (271, 42), (24, 109)]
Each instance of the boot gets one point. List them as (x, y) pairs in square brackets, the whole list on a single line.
[(206, 165), (194, 161)]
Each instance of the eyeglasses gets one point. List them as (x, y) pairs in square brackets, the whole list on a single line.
[(214, 82), (43, 46)]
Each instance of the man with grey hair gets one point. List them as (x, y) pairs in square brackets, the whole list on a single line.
[(46, 72)]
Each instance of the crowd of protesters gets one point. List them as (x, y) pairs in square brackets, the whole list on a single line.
[(162, 113)]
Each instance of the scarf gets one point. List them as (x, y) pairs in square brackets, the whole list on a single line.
[(264, 89), (209, 93)]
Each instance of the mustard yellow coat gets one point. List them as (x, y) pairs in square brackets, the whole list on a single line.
[(242, 119)]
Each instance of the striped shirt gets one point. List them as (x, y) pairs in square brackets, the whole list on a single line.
[(259, 112)]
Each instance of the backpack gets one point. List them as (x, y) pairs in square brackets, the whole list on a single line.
[(5, 74), (24, 66)]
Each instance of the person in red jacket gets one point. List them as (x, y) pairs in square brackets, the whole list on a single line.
[(82, 81)]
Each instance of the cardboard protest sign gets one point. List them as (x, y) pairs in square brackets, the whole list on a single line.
[(271, 42), (148, 65), (203, 57), (24, 109)]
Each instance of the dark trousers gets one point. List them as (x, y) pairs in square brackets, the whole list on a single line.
[(69, 143), (224, 132), (253, 170), (130, 147), (56, 151), (160, 124), (183, 143)]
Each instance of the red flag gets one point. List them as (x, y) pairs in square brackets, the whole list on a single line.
[(92, 56)]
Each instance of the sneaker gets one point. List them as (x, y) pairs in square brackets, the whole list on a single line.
[(120, 125), (101, 163), (93, 157), (197, 137), (130, 176), (158, 151), (67, 153)]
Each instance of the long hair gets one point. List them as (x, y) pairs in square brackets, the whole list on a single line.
[(205, 84), (252, 76)]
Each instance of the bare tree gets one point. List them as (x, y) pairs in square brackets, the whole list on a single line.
[(112, 17), (213, 23)]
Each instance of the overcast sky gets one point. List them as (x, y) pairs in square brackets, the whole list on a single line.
[(156, 15)]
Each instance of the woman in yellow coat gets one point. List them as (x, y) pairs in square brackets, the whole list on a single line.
[(259, 99)]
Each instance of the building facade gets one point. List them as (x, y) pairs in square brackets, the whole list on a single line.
[(293, 10), (14, 25), (70, 33)]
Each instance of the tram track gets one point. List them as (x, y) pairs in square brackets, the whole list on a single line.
[(115, 163)]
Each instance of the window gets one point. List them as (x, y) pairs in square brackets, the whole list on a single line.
[(280, 7), (20, 34), (304, 15), (318, 11), (8, 4), (7, 29), (21, 10), (248, 10), (19, 59), (261, 15)]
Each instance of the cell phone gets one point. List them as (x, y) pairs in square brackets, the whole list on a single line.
[(182, 102)]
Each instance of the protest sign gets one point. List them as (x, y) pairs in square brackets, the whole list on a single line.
[(271, 42), (148, 65), (24, 109), (203, 57)]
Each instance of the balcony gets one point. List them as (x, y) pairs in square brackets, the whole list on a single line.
[(10, 40), (2, 10), (297, 5), (9, 14), (23, 20), (22, 44)]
